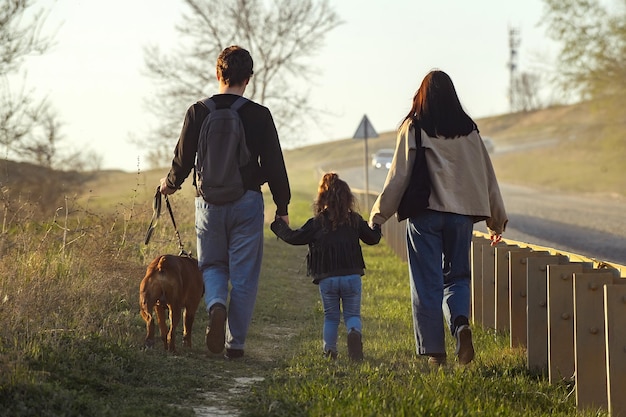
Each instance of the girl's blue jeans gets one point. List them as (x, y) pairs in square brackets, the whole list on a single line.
[(337, 292)]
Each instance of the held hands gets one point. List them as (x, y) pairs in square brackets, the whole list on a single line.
[(375, 226), (279, 225), (284, 218), (495, 239)]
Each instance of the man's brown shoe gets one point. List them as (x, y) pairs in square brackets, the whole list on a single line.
[(232, 354), (437, 360), (215, 329)]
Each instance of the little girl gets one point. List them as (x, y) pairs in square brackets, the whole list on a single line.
[(335, 260)]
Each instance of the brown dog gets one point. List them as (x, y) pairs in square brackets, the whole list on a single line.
[(175, 282)]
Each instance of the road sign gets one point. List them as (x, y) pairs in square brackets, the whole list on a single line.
[(365, 130)]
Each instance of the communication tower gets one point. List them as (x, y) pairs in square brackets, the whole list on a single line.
[(514, 42)]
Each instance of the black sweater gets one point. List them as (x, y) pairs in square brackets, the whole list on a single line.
[(331, 252), (266, 162)]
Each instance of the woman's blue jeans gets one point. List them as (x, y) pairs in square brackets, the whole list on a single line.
[(438, 247), (230, 249), (337, 292)]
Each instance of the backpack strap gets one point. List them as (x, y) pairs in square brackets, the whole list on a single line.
[(238, 103), (209, 104)]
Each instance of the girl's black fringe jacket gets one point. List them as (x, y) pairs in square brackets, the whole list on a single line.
[(331, 252)]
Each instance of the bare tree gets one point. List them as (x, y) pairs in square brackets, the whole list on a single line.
[(527, 87), (20, 35), (14, 121), (41, 145), (30, 128), (23, 117), (281, 35)]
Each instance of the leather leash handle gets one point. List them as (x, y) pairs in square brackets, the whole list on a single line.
[(156, 212)]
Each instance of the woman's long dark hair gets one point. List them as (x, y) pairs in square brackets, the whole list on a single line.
[(335, 200), (437, 109)]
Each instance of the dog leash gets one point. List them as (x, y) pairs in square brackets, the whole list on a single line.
[(156, 213)]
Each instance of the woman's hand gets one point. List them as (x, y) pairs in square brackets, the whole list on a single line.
[(495, 239)]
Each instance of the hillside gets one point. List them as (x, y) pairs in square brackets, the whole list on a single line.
[(44, 187), (563, 147), (582, 154), (566, 147)]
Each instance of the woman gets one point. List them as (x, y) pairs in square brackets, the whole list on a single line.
[(335, 260), (461, 189)]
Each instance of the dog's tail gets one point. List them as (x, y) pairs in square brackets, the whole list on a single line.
[(164, 265)]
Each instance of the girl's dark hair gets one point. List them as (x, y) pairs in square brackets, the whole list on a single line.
[(437, 109), (335, 200), (234, 65)]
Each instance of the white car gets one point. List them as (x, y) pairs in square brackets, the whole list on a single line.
[(383, 158)]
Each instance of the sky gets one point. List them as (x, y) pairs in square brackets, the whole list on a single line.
[(370, 65)]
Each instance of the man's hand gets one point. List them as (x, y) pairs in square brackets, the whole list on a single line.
[(165, 189), (284, 218)]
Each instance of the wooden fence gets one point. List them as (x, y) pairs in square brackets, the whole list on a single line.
[(566, 311)]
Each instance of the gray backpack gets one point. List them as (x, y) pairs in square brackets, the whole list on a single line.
[(221, 152)]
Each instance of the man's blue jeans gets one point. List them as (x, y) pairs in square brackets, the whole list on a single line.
[(337, 291), (438, 247), (230, 249)]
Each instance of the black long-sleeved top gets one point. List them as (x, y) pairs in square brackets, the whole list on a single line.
[(266, 162), (331, 252)]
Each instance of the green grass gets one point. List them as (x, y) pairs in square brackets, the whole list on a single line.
[(71, 335), (77, 350), (393, 380)]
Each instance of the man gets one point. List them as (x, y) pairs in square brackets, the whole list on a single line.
[(230, 236)]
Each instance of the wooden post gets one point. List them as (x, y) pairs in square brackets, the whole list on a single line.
[(477, 278), (517, 295), (401, 240), (561, 321), (615, 323), (489, 286), (589, 339), (537, 299), (395, 235), (502, 280)]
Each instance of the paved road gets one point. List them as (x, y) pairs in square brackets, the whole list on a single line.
[(592, 226)]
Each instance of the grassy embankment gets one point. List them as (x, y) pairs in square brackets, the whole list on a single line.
[(576, 152), (71, 334)]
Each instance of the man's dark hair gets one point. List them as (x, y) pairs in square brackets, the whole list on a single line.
[(234, 65)]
